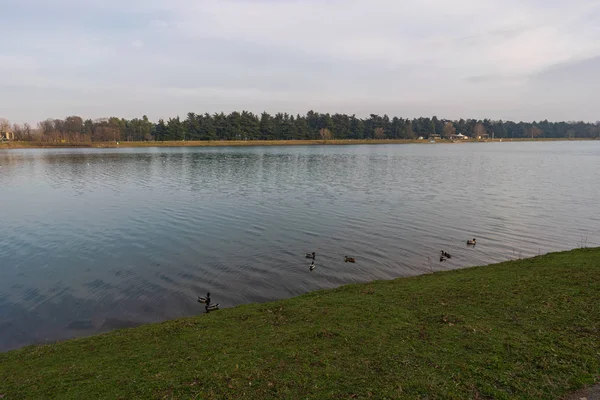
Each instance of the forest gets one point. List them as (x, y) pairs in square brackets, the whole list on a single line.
[(282, 126)]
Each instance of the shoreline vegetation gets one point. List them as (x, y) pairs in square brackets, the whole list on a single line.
[(248, 126), (519, 329), (243, 143)]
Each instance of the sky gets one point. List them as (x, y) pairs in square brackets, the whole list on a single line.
[(500, 59)]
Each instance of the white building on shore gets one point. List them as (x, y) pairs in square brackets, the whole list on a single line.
[(7, 134)]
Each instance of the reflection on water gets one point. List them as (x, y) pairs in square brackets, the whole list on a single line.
[(93, 240)]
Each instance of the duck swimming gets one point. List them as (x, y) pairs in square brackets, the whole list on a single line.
[(349, 259), (312, 266), (472, 242), (447, 255), (310, 255), (204, 300)]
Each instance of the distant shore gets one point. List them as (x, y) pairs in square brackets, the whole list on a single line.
[(238, 143)]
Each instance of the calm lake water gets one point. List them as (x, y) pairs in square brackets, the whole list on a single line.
[(98, 239)]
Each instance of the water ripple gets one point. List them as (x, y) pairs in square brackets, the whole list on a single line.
[(93, 240)]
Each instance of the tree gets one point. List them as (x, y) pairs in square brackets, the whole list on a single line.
[(534, 131), (146, 128), (408, 130), (208, 131), (478, 130), (325, 134), (313, 125), (161, 131), (357, 128), (438, 126), (302, 129), (175, 130), (5, 130), (250, 125), (192, 127), (266, 126), (73, 124), (341, 126), (449, 130)]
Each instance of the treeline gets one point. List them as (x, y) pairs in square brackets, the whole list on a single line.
[(313, 125)]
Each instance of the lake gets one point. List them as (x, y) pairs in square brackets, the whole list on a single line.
[(93, 240)]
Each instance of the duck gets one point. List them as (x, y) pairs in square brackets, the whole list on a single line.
[(447, 255), (310, 255), (204, 300), (349, 259), (472, 242), (312, 266), (442, 258)]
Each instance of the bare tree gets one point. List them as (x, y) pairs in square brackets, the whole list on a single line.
[(5, 130), (379, 133), (449, 130), (46, 127), (18, 131), (4, 125), (325, 134), (479, 130), (534, 131), (28, 133)]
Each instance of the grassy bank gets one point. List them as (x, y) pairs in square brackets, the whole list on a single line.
[(521, 329), (221, 143), (202, 143)]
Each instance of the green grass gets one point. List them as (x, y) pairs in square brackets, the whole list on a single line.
[(525, 329)]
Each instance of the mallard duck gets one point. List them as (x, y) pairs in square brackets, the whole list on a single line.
[(472, 242), (211, 307), (312, 266), (447, 255), (204, 300), (349, 259), (310, 255), (442, 258)]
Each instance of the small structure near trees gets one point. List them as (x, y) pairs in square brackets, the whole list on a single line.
[(5, 131), (459, 136), (7, 135)]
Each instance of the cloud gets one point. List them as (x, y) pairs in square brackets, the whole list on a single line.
[(465, 58)]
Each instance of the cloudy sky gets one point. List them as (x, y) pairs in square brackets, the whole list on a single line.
[(508, 59)]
